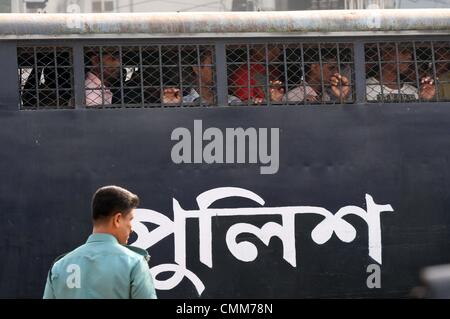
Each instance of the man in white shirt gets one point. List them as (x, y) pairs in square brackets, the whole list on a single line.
[(323, 81), (99, 79), (390, 90)]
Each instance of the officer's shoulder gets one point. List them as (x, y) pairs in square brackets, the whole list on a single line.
[(68, 255), (59, 258), (137, 252), (54, 268)]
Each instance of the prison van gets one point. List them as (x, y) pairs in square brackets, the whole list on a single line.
[(276, 154)]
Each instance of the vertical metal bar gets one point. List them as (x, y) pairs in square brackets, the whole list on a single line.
[(417, 70), (37, 79), (360, 72), (285, 100), (248, 75), (79, 77), (338, 53), (213, 86), (322, 80), (397, 60), (102, 85), (302, 58), (56, 76), (19, 83), (161, 92), (180, 76), (267, 89), (141, 69), (433, 61), (10, 98), (197, 47), (121, 77), (221, 73), (381, 82)]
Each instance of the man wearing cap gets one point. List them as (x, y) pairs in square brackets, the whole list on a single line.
[(104, 267)]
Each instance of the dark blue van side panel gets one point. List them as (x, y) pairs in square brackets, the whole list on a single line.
[(329, 157)]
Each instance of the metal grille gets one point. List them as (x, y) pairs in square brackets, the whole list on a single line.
[(150, 76), (173, 75), (45, 77), (400, 72), (319, 73)]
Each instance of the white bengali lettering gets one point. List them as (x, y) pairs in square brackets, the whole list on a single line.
[(244, 250)]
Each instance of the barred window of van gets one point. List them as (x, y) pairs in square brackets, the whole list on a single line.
[(406, 71), (45, 77), (150, 76), (328, 70), (290, 73)]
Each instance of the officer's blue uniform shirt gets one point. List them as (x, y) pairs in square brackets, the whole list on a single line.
[(101, 268)]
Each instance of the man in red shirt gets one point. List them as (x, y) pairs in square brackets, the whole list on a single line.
[(250, 86)]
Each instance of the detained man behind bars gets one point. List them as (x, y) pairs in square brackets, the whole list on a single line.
[(104, 267)]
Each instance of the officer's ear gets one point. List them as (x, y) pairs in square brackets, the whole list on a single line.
[(116, 219)]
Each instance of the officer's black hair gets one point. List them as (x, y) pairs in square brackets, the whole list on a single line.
[(110, 200)]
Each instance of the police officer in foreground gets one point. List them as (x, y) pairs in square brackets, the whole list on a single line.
[(104, 267)]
